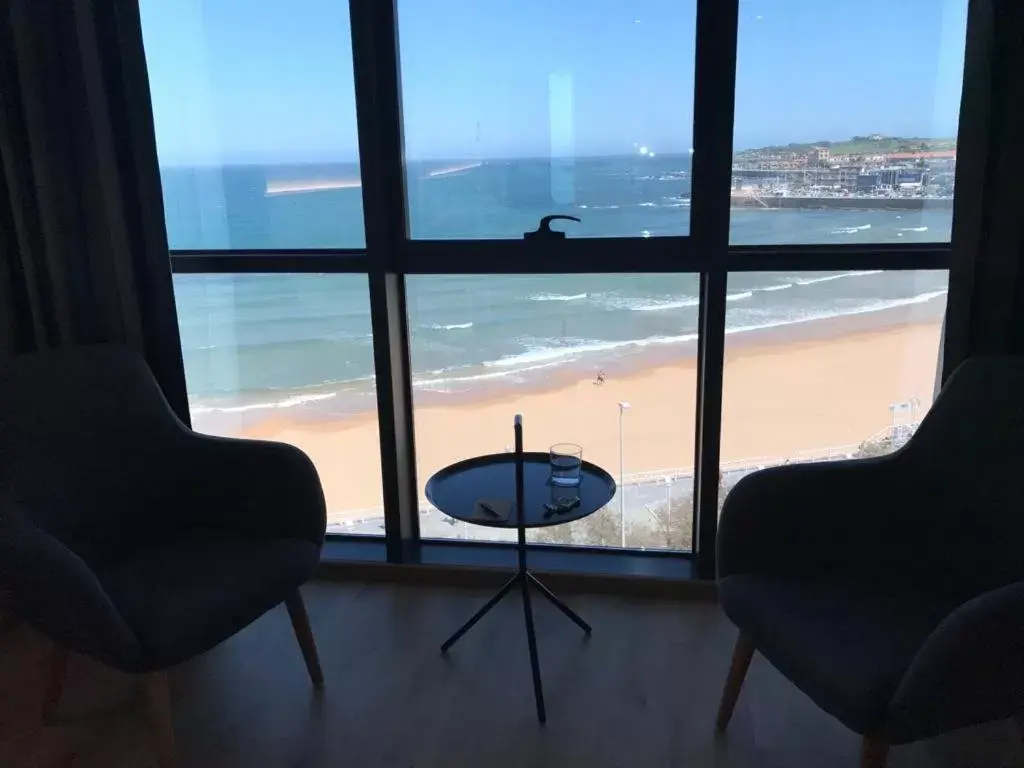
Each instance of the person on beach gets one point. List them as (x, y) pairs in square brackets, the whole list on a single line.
[(599, 380)]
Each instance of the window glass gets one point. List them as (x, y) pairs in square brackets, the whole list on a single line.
[(290, 358), (846, 121), (518, 110), (607, 362), (254, 108), (827, 365)]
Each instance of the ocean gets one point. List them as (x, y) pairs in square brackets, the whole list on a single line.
[(256, 344)]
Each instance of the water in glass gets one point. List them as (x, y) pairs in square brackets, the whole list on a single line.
[(566, 460)]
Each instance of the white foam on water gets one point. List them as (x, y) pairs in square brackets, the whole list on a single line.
[(557, 297), (676, 202), (913, 229), (452, 327), (850, 230), (841, 276), (658, 305), (546, 354), (876, 306), (668, 304), (288, 402), (443, 383), (549, 354)]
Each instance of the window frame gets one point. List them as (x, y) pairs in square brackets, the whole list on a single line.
[(390, 255)]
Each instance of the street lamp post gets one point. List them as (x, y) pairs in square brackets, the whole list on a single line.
[(668, 511), (623, 407)]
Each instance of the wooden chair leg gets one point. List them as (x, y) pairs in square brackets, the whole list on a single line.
[(55, 681), (873, 752), (159, 719), (304, 634), (741, 656)]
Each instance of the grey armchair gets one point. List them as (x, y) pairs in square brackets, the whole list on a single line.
[(128, 538), (891, 590)]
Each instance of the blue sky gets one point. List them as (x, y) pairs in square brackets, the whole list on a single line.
[(271, 81)]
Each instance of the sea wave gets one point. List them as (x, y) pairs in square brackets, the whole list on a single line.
[(557, 297), (288, 402), (451, 327), (677, 202), (444, 382), (599, 207), (850, 230), (840, 276), (549, 353), (658, 305), (913, 229), (866, 309), (540, 354), (558, 353), (682, 302)]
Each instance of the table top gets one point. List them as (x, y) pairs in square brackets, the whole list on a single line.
[(456, 489)]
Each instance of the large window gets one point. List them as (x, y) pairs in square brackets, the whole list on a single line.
[(514, 111), (829, 365), (289, 358), (606, 362), (347, 187), (846, 121), (256, 123)]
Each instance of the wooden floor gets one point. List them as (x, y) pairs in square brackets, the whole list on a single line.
[(642, 691)]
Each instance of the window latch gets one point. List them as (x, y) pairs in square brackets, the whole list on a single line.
[(545, 232)]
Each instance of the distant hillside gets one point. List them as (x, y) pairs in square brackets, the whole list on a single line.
[(863, 145)]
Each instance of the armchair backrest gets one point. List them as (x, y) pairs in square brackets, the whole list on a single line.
[(967, 459), (86, 446)]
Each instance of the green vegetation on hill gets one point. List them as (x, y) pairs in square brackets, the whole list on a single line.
[(864, 145)]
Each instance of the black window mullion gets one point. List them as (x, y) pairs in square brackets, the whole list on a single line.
[(713, 109), (268, 262), (379, 119), (569, 256)]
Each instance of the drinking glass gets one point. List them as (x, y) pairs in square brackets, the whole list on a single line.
[(566, 460)]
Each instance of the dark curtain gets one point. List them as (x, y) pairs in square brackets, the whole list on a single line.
[(986, 293), (83, 245)]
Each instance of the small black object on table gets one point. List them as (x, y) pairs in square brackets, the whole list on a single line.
[(525, 477)]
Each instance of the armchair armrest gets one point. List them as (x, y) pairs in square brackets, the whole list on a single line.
[(970, 670), (59, 594), (269, 488), (810, 518)]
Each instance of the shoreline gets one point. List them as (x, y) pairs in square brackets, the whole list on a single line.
[(334, 404), (829, 385)]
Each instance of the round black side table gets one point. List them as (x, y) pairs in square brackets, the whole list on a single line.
[(456, 489)]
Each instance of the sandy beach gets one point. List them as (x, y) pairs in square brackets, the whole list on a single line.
[(782, 398)]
